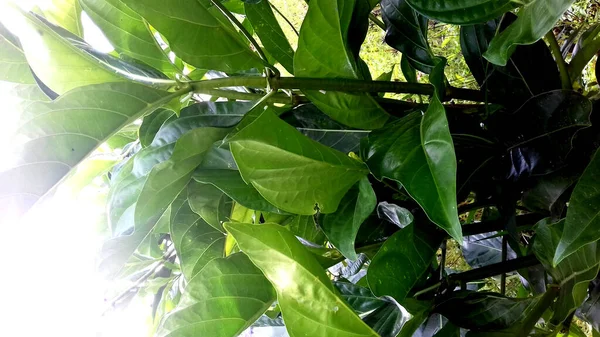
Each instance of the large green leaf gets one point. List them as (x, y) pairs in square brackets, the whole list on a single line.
[(583, 215), (57, 135), (128, 33), (305, 227), (169, 178), (294, 173), (196, 242), (65, 13), (198, 33), (463, 12), (323, 51), (152, 124), (309, 303), (535, 20), (222, 300), (210, 203), (13, 64), (342, 226), (270, 33), (58, 63), (401, 263), (232, 184), (418, 152), (406, 31), (573, 273)]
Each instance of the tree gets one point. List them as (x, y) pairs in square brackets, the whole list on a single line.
[(313, 201)]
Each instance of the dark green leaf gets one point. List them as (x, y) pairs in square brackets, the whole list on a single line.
[(13, 64), (590, 309), (409, 72), (58, 135), (406, 31), (210, 203), (305, 227), (128, 33), (587, 47), (395, 214), (232, 184), (388, 320), (547, 193), (152, 123), (308, 300), (308, 173), (572, 274), (401, 262), (484, 249), (198, 33), (342, 226), (323, 51), (270, 33), (196, 242), (462, 12), (534, 21), (582, 222), (222, 300), (361, 299)]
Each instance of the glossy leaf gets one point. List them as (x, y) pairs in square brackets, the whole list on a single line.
[(152, 123), (323, 52), (341, 227), (65, 13), (361, 299), (581, 224), (308, 173), (534, 21), (389, 321), (462, 12), (196, 242), (232, 184), (127, 32), (547, 193), (169, 178), (400, 263), (61, 65), (212, 205), (270, 33), (191, 27), (406, 31), (395, 214), (222, 300), (572, 274), (13, 64), (484, 249), (308, 300), (587, 47), (590, 309), (57, 135)]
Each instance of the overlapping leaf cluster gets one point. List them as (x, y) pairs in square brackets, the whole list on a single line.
[(309, 201)]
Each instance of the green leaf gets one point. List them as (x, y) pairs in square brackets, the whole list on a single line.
[(481, 311), (305, 227), (270, 33), (587, 47), (232, 184), (152, 123), (127, 32), (418, 152), (308, 300), (58, 135), (13, 64), (463, 12), (341, 227), (401, 263), (58, 63), (535, 20), (323, 52), (409, 72), (196, 242), (361, 299), (406, 31), (169, 178), (212, 205), (583, 214), (308, 173), (198, 33), (222, 300), (573, 273), (65, 13)]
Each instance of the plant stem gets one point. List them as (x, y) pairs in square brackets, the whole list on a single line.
[(249, 37), (284, 18), (246, 96), (330, 84), (494, 269), (376, 21), (562, 65)]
